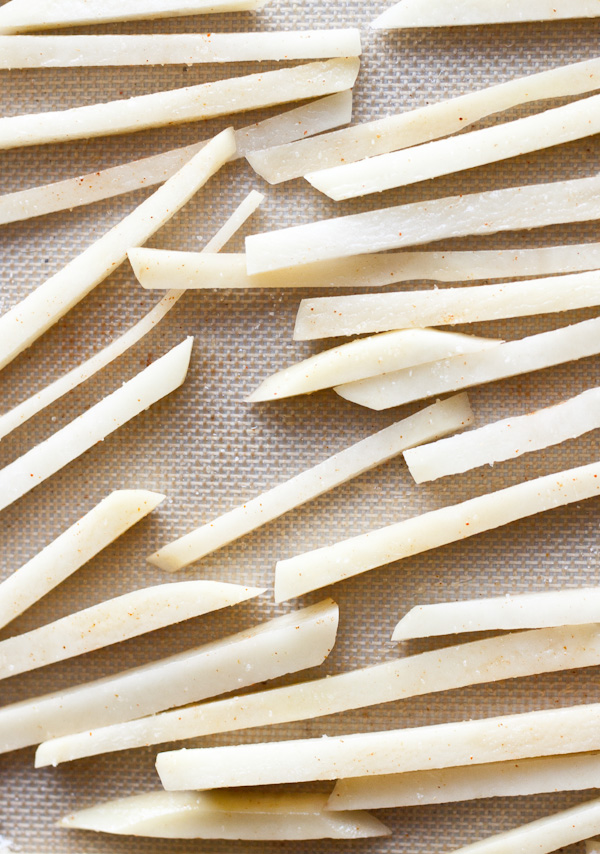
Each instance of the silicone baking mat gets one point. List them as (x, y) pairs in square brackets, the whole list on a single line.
[(208, 450)]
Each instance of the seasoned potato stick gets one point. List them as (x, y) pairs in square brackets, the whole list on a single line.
[(286, 644), (114, 515), (152, 384), (461, 13), (450, 524), (117, 620)]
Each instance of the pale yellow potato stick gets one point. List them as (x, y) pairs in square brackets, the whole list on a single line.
[(462, 13)]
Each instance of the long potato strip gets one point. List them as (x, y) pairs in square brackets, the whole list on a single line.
[(192, 103), (474, 742), (509, 359), (114, 515), (286, 644), (345, 559), (461, 13), (508, 657), (528, 207), (458, 153), (423, 124)]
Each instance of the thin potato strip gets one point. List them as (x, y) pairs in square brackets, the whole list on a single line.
[(494, 659), (541, 733), (192, 103), (492, 780), (286, 644), (462, 13), (116, 620), (530, 206), (331, 564), (114, 515), (509, 359), (152, 384), (423, 124)]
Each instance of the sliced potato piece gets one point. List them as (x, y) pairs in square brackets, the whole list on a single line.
[(367, 357), (508, 359), (466, 783), (513, 611), (423, 124), (152, 384), (541, 733), (44, 306), (117, 620), (192, 103), (509, 438), (441, 418), (114, 515), (557, 126), (332, 316), (450, 524), (450, 13), (507, 657), (284, 645), (226, 815)]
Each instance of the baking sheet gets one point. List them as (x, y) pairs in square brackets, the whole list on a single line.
[(208, 450)]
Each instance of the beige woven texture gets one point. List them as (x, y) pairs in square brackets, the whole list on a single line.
[(208, 450)]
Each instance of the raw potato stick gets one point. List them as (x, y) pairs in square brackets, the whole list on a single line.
[(226, 815), (490, 660), (117, 620), (192, 103), (508, 359), (441, 418), (43, 307), (367, 357), (164, 268), (521, 611), (493, 780), (450, 524), (473, 742), (422, 124), (528, 207), (25, 15), (353, 315), (312, 118), (460, 13), (152, 384), (114, 515), (286, 644), (25, 410), (507, 439), (173, 49), (557, 126)]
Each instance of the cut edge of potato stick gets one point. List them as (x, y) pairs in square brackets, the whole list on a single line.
[(524, 735), (367, 313), (525, 207), (553, 127), (568, 773), (441, 418), (280, 646), (152, 384), (508, 359), (300, 122), (26, 321), (511, 656), (176, 106), (226, 815), (567, 607), (175, 48), (25, 410), (73, 548), (449, 524), (421, 125), (441, 13), (116, 620), (365, 358), (508, 438)]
